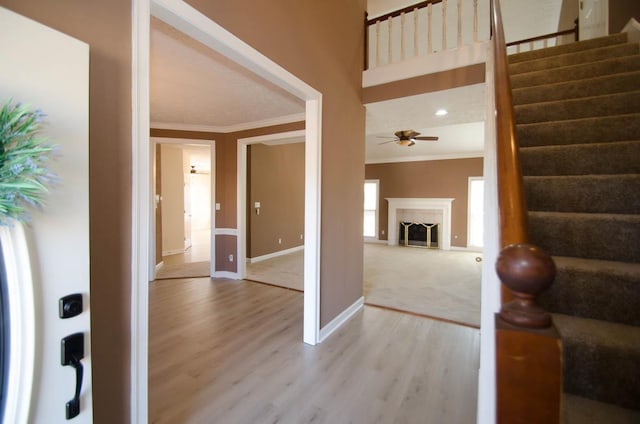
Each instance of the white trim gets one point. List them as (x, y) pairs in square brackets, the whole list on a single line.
[(226, 231), (425, 158), (22, 327), (287, 119), (343, 317), (198, 26), (226, 274), (274, 254), (469, 181), (159, 265), (276, 138), (140, 220), (632, 28), (374, 240), (467, 249), (443, 204)]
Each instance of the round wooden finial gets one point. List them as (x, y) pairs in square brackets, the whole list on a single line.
[(527, 271)]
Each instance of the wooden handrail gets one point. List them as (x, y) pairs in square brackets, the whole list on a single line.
[(399, 12), (528, 348), (575, 31)]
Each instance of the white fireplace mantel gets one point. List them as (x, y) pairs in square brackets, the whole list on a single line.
[(433, 203)]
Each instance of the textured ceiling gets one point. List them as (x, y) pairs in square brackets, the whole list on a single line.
[(193, 87)]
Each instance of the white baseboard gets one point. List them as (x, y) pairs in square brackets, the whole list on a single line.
[(337, 322), (275, 254), (375, 241), (159, 265), (172, 252), (226, 274)]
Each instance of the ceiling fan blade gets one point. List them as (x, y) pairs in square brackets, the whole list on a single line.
[(399, 134), (411, 143), (385, 142), (427, 138)]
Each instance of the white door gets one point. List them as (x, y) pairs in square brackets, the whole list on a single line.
[(50, 71), (187, 211), (593, 18)]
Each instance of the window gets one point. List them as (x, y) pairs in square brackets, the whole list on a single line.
[(371, 208), (476, 215)]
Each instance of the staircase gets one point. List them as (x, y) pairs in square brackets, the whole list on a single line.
[(577, 111)]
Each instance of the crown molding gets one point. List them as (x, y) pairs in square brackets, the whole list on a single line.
[(287, 119), (425, 158)]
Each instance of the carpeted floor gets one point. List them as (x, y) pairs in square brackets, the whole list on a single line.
[(435, 283)]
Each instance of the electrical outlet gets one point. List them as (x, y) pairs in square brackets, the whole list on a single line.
[(300, 236), (279, 240), (230, 258), (382, 232)]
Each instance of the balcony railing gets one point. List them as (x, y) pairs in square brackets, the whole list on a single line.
[(425, 28)]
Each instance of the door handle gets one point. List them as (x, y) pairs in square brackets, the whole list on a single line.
[(72, 353)]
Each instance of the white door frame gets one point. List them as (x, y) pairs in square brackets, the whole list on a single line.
[(193, 23), (154, 141), (242, 196)]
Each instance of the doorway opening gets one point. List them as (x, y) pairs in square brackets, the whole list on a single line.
[(274, 245), (183, 181)]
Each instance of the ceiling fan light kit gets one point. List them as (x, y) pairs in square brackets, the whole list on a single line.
[(408, 138)]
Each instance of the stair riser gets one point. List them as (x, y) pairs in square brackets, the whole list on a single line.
[(596, 295), (578, 72), (588, 194), (602, 374), (601, 158), (570, 59), (576, 89), (581, 131), (569, 48), (615, 238), (608, 105)]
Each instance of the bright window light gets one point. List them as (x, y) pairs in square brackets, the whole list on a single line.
[(441, 112)]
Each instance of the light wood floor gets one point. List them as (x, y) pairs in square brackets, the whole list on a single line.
[(224, 351)]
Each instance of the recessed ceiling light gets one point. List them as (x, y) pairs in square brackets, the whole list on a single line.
[(441, 112)]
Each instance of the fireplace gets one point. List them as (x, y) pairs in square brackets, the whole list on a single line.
[(418, 234), (427, 210)]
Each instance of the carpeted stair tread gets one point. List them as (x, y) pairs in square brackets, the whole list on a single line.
[(576, 72), (580, 131), (584, 193), (574, 58), (613, 237), (608, 84), (601, 360), (581, 159), (568, 48), (596, 289), (580, 410), (587, 107)]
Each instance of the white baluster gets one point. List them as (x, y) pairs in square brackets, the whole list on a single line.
[(415, 32), (475, 20), (377, 43), (402, 55), (389, 23), (459, 23), (444, 24), (429, 27)]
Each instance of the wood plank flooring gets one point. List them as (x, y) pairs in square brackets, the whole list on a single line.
[(224, 351)]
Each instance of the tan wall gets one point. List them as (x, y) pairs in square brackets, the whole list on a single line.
[(440, 178), (106, 27), (620, 11), (172, 198), (276, 180), (321, 42)]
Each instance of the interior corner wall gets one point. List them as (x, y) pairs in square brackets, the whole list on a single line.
[(276, 181), (438, 178), (322, 43), (106, 27)]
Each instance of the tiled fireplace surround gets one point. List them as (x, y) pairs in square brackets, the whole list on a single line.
[(423, 210)]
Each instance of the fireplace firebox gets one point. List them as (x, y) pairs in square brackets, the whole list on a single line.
[(417, 234)]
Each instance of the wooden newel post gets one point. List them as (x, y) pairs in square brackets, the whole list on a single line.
[(527, 271)]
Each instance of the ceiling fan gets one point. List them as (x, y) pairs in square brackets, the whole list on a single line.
[(408, 138)]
